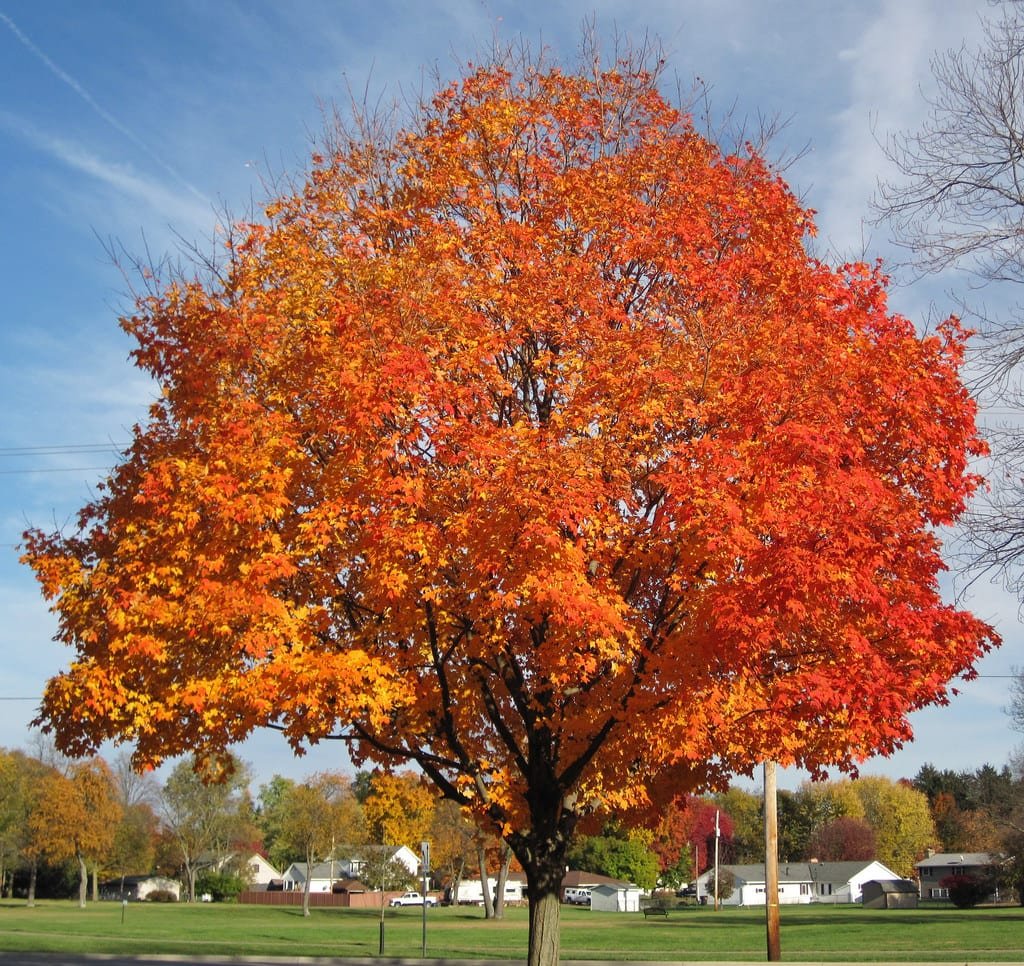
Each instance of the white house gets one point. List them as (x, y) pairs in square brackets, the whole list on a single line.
[(257, 871), (321, 875), (795, 884), (615, 897), (139, 887), (345, 865), (844, 881), (800, 882), (357, 857)]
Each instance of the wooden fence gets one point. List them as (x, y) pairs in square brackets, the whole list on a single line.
[(341, 900)]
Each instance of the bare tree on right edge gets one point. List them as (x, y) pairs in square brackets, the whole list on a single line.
[(959, 205)]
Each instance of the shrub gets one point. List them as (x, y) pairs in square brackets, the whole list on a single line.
[(966, 891), (726, 884), (221, 886), (161, 895)]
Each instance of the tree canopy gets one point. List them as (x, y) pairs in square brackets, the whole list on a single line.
[(525, 442)]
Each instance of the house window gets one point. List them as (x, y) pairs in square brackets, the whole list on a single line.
[(805, 889), (959, 870), (938, 893)]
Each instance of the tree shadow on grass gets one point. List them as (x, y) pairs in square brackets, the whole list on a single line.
[(899, 917)]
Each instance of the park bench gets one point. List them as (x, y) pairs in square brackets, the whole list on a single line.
[(655, 911)]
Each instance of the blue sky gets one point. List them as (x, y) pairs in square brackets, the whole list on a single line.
[(136, 126)]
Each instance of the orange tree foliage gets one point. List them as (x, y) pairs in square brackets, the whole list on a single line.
[(529, 444)]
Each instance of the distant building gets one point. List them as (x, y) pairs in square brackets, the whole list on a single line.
[(890, 894), (257, 871), (349, 863), (471, 891), (799, 882), (843, 881), (138, 888), (750, 888), (940, 865), (615, 897), (581, 879)]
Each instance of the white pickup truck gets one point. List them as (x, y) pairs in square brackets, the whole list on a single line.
[(413, 899)]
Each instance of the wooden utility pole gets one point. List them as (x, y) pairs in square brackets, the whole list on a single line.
[(771, 861)]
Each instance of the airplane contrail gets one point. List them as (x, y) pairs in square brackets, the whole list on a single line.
[(64, 76)]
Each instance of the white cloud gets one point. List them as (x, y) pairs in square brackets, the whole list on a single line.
[(181, 209), (97, 108), (889, 72)]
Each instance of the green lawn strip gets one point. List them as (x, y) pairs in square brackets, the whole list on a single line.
[(819, 933)]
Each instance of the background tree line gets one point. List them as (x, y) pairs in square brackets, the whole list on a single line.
[(67, 825)]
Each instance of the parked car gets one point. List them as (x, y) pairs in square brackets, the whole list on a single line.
[(413, 899), (577, 897)]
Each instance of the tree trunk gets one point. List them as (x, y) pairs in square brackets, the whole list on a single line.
[(543, 860), (305, 889), (505, 851), (95, 884), (457, 880), (481, 858), (545, 916), (33, 870), (83, 881)]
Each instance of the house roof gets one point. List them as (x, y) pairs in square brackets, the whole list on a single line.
[(134, 880), (320, 870), (836, 872), (349, 885), (846, 871), (943, 859), (788, 872), (610, 888), (892, 885), (580, 879)]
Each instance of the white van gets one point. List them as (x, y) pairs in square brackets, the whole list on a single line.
[(577, 897)]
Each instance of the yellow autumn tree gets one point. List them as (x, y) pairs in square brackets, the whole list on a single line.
[(399, 809), (76, 817), (901, 819), (319, 814)]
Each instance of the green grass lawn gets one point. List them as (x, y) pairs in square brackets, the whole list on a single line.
[(808, 932)]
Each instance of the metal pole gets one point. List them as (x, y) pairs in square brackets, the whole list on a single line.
[(425, 857), (383, 866), (717, 833), (696, 870), (771, 861)]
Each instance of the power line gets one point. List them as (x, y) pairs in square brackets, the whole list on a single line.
[(55, 469), (59, 449)]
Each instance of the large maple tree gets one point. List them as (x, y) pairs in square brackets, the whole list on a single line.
[(529, 444)]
